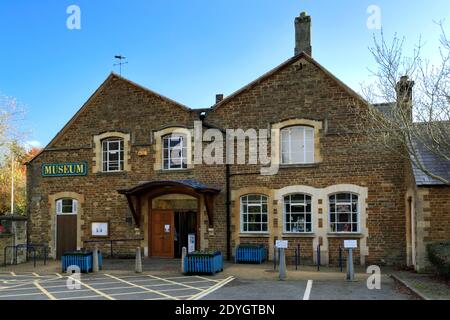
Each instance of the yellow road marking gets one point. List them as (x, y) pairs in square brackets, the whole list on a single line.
[(208, 279), (93, 289), (211, 289), (48, 294), (36, 275), (174, 282), (58, 275), (141, 287), (13, 274)]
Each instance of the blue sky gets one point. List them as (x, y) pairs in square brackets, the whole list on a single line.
[(187, 50)]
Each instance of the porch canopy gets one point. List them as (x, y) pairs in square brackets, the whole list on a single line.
[(155, 189)]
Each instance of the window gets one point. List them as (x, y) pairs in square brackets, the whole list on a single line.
[(344, 212), (297, 213), (174, 152), (112, 159), (297, 145), (254, 213), (66, 206)]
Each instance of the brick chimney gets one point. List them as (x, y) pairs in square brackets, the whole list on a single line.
[(303, 34), (219, 97), (404, 89)]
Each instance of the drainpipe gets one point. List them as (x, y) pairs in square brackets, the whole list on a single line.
[(228, 204)]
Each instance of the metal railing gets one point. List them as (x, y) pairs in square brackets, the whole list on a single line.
[(27, 247), (111, 243)]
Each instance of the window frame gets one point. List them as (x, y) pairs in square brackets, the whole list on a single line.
[(305, 203), (120, 150), (336, 213), (263, 200), (290, 147), (60, 205), (184, 151)]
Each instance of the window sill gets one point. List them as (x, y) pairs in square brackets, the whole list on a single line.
[(306, 165), (162, 171), (299, 235), (344, 235), (254, 235), (111, 173)]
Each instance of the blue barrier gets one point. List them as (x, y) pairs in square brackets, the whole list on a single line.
[(203, 263), (82, 259), (249, 253)]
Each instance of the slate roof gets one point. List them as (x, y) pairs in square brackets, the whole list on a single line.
[(190, 183), (433, 163)]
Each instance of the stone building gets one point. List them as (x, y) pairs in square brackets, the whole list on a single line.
[(125, 167)]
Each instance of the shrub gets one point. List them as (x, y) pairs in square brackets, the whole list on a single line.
[(439, 256)]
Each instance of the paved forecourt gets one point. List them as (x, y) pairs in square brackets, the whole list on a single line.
[(106, 286)]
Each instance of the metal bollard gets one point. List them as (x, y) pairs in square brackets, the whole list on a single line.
[(138, 267), (282, 258), (183, 257), (340, 258), (318, 257), (350, 271), (95, 260)]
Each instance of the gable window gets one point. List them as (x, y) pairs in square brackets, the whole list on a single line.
[(112, 155), (254, 213), (174, 152), (297, 213), (344, 212), (297, 145), (66, 206)]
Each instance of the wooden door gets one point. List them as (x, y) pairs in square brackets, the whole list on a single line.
[(162, 233), (66, 237)]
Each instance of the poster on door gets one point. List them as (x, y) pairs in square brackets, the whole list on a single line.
[(191, 242)]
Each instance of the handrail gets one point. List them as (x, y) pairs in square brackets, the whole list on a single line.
[(111, 241)]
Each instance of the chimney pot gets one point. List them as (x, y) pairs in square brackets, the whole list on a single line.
[(303, 34), (219, 97)]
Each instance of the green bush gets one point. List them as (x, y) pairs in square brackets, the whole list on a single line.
[(439, 256)]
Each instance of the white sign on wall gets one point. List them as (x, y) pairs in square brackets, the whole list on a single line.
[(191, 242), (350, 244), (281, 244)]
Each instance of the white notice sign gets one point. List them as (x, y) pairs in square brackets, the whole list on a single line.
[(350, 244), (281, 244), (191, 242)]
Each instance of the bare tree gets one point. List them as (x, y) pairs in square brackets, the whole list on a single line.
[(415, 113), (11, 114)]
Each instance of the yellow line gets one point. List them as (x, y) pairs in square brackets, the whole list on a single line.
[(141, 287), (211, 289), (174, 282), (58, 275), (48, 294), (93, 289), (217, 281), (36, 275), (13, 274)]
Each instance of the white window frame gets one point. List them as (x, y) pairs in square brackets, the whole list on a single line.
[(107, 161), (290, 145), (183, 156), (263, 200), (305, 203), (358, 213), (59, 206)]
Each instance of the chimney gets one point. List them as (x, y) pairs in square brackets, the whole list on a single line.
[(219, 97), (404, 89), (303, 34)]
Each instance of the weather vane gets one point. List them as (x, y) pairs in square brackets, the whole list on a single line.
[(120, 63)]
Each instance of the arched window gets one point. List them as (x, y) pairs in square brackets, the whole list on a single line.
[(254, 213), (66, 206), (297, 213), (297, 145), (174, 152), (344, 212), (112, 155)]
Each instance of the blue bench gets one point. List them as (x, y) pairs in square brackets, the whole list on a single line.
[(250, 254), (81, 259), (209, 263)]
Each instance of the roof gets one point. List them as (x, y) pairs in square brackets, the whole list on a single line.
[(386, 108), (433, 163), (279, 68), (195, 185)]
